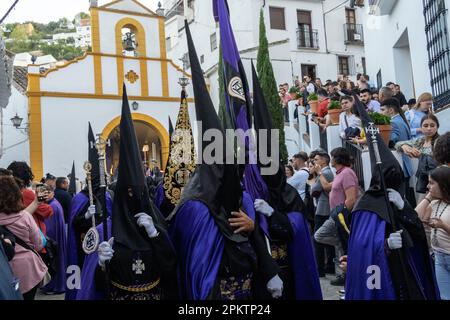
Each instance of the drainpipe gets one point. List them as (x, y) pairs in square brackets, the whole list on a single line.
[(325, 29)]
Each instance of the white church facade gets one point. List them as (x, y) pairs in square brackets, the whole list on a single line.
[(63, 100)]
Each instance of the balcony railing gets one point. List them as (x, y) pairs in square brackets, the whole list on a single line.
[(307, 38), (354, 33), (358, 166), (324, 140)]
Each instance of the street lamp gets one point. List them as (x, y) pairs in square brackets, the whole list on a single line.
[(16, 121), (183, 82)]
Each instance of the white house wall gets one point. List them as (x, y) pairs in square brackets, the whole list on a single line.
[(109, 75), (65, 127), (154, 78), (15, 142), (383, 34), (81, 77)]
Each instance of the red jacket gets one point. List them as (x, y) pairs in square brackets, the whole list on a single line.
[(43, 211), (322, 110)]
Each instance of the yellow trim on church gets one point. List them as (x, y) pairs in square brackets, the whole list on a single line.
[(163, 134), (35, 127), (95, 36)]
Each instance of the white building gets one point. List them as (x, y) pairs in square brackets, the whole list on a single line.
[(319, 38), (83, 34), (407, 42), (59, 103), (65, 36)]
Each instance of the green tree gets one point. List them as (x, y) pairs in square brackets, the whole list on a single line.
[(19, 34), (269, 86), (84, 15)]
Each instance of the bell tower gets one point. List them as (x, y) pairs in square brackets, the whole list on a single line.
[(132, 34)]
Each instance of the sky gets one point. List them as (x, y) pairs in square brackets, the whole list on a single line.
[(45, 11)]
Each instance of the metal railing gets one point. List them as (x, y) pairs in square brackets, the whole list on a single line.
[(307, 38), (323, 140), (358, 166), (354, 33)]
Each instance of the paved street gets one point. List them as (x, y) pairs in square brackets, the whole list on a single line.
[(329, 292)]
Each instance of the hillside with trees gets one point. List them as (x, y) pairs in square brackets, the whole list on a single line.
[(34, 36)]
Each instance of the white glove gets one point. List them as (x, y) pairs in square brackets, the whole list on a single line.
[(105, 252), (144, 220), (263, 207), (395, 240), (396, 199), (90, 212), (275, 287)]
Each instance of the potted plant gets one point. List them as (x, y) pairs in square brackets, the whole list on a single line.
[(384, 125), (294, 92), (334, 110), (313, 100)]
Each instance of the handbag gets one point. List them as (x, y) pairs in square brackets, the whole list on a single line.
[(48, 276), (50, 257), (351, 132), (426, 165)]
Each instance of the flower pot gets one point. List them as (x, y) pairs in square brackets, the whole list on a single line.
[(314, 106), (334, 115), (385, 132)]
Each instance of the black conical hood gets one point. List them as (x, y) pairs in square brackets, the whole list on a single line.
[(72, 184), (93, 159), (171, 125), (280, 192), (391, 169), (216, 185), (131, 194)]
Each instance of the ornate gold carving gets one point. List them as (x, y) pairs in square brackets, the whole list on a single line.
[(131, 76), (181, 163)]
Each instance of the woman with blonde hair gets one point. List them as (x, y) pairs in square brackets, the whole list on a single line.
[(424, 105)]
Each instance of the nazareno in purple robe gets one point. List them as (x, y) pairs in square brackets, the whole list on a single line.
[(88, 289), (367, 262), (300, 253), (56, 230), (199, 245), (78, 203)]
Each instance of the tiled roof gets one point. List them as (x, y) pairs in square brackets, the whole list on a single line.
[(20, 79)]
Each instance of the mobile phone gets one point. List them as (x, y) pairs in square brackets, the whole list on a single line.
[(40, 192)]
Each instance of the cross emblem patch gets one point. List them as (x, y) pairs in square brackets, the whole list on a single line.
[(138, 266)]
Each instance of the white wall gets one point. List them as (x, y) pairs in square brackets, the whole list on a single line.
[(384, 33), (15, 142), (65, 127)]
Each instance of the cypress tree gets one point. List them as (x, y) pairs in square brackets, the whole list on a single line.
[(269, 86)]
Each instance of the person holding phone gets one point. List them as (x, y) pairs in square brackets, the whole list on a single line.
[(434, 211), (26, 265), (23, 174)]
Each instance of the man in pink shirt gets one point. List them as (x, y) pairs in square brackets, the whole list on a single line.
[(345, 186), (344, 191)]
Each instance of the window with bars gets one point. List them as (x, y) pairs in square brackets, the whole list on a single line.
[(436, 30), (277, 20), (213, 41), (344, 67)]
